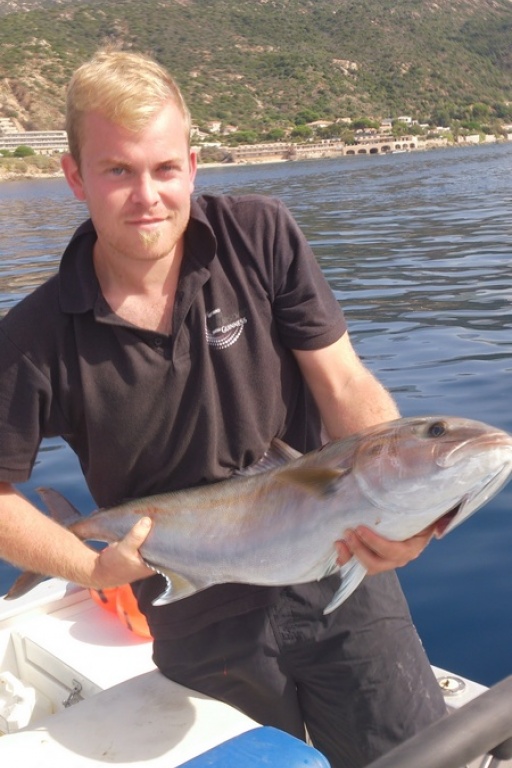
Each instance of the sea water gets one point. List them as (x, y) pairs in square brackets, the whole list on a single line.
[(417, 248)]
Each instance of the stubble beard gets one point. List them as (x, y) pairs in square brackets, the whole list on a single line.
[(149, 239), (160, 243)]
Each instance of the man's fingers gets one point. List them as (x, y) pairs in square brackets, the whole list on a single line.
[(379, 554), (344, 553), (121, 563), (136, 537)]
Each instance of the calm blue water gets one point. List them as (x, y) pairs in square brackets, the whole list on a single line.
[(417, 248)]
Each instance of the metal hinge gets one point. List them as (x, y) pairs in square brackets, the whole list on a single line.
[(74, 695)]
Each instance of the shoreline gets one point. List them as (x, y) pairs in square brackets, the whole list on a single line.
[(30, 170)]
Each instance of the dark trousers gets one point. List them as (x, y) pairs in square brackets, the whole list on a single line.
[(358, 680)]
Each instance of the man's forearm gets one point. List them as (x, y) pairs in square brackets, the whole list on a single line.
[(347, 394), (32, 541), (373, 405)]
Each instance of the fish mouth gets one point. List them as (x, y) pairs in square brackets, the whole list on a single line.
[(471, 502), (442, 523), (497, 439)]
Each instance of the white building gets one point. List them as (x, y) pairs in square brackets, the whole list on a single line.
[(42, 142), (7, 125)]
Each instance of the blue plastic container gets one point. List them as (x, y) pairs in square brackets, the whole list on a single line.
[(263, 746)]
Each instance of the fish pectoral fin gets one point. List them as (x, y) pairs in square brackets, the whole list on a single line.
[(316, 480), (176, 588), (352, 575), (331, 565)]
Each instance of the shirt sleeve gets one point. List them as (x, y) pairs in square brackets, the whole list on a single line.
[(22, 394), (305, 308)]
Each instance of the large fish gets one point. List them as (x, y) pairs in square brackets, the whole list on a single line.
[(277, 523)]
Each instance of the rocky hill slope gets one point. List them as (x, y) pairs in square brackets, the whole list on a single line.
[(265, 63)]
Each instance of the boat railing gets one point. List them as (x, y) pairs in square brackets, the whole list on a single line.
[(481, 727)]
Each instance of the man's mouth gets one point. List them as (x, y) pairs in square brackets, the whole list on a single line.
[(147, 222)]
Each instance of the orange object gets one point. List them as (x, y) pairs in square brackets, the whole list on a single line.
[(129, 613), (122, 602), (106, 598)]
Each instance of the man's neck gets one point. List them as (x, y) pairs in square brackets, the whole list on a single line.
[(141, 292)]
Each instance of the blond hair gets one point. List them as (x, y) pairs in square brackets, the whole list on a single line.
[(126, 88)]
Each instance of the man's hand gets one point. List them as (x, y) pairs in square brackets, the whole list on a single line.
[(121, 563), (378, 554)]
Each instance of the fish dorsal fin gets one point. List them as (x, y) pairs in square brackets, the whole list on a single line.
[(277, 455), (319, 481), (60, 508)]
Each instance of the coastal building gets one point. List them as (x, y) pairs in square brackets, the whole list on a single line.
[(42, 142), (7, 125), (247, 153)]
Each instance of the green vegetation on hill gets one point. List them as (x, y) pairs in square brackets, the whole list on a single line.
[(262, 64)]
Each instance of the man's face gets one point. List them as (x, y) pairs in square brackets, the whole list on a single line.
[(137, 186)]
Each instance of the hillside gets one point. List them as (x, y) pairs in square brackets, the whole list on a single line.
[(268, 63)]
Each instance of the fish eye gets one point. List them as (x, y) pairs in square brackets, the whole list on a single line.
[(437, 429)]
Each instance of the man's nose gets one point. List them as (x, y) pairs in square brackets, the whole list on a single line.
[(145, 190)]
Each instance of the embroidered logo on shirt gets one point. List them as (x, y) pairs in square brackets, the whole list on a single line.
[(221, 333)]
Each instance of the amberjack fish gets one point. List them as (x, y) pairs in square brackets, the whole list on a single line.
[(276, 523)]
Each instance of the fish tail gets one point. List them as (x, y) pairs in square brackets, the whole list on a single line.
[(23, 584)]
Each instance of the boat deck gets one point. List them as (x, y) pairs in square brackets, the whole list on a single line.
[(88, 694), (100, 699)]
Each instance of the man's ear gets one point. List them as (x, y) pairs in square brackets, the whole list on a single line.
[(73, 176), (193, 168)]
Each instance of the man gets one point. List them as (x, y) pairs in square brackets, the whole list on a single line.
[(176, 341)]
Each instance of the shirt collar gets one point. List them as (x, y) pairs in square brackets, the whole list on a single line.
[(78, 285)]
